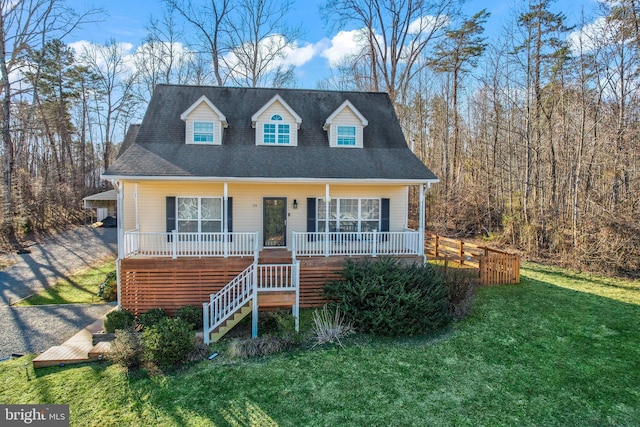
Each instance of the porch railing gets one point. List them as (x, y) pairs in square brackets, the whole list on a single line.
[(174, 244), (372, 243)]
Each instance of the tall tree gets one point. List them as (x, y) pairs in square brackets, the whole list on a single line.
[(460, 50), (397, 34)]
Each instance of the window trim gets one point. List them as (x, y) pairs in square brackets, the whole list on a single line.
[(212, 133), (199, 219), (353, 137), (278, 130), (320, 201)]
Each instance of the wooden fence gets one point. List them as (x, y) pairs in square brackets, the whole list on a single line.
[(494, 267)]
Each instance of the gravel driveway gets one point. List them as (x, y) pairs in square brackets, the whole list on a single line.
[(34, 329)]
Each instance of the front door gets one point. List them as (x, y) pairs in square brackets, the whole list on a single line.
[(275, 221)]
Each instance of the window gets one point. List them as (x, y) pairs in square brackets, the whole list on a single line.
[(275, 132), (199, 214), (349, 215), (346, 135), (202, 131)]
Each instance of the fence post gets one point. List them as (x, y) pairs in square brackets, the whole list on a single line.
[(461, 252), (435, 245)]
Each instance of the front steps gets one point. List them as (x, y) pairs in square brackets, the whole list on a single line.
[(221, 330)]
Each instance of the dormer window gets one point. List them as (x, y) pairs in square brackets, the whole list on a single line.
[(204, 123), (203, 132), (347, 135), (276, 131), (345, 126), (276, 123)]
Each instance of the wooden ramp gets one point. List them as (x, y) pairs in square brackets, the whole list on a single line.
[(77, 349)]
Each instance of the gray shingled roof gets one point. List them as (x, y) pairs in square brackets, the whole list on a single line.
[(160, 149)]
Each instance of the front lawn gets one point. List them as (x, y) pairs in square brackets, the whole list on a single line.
[(78, 288), (559, 349)]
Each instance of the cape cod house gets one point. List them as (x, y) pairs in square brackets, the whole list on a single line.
[(244, 198)]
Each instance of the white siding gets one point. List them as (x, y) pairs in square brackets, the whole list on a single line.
[(346, 117), (203, 113), (287, 118)]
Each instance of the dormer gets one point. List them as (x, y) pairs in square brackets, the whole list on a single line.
[(204, 123), (345, 126), (276, 123)]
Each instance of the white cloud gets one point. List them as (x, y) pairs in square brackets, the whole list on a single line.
[(599, 32), (345, 44), (426, 24), (98, 54)]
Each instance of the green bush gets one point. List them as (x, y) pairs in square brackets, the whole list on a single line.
[(108, 289), (126, 349), (152, 317), (386, 297), (190, 314), (168, 343), (276, 322), (119, 319)]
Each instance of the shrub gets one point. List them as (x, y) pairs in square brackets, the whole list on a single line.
[(261, 346), (190, 314), (152, 317), (329, 327), (276, 322), (108, 289), (462, 285), (126, 349), (386, 297), (168, 343), (119, 319)]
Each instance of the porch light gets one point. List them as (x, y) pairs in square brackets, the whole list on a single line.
[(295, 203)]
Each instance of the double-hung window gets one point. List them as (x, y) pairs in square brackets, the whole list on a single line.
[(203, 132), (346, 136), (276, 132), (199, 214), (349, 215)]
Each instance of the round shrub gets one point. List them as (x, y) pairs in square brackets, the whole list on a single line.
[(386, 297), (119, 319), (190, 314), (168, 343), (126, 349), (152, 317)]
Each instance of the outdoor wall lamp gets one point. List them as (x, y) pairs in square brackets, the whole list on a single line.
[(295, 204)]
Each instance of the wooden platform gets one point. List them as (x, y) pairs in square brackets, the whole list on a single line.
[(77, 349)]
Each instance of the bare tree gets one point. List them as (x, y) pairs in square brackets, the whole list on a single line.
[(23, 25), (210, 19), (260, 38), (397, 36)]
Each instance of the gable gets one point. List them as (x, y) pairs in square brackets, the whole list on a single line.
[(276, 124), (203, 123), (345, 127)]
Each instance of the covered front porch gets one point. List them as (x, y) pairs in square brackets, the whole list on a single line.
[(303, 244)]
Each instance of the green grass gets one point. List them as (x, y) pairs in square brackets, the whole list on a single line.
[(79, 288), (560, 349)]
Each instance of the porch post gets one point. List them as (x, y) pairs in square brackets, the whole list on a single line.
[(119, 187), (296, 308), (327, 200), (423, 190), (225, 228), (254, 302)]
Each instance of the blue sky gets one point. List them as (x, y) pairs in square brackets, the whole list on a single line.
[(126, 21)]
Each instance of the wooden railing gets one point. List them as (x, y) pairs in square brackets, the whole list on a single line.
[(372, 243), (494, 266), (176, 244)]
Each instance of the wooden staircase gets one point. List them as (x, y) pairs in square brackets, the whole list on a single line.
[(228, 324)]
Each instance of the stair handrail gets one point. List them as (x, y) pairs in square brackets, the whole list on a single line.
[(223, 304)]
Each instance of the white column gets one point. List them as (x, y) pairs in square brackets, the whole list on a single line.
[(225, 229), (119, 186), (423, 190), (327, 200)]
